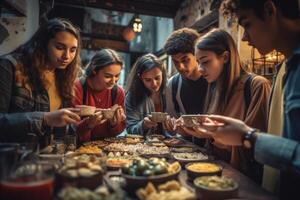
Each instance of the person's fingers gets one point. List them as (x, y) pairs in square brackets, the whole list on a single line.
[(75, 110), (69, 120), (220, 118), (72, 115)]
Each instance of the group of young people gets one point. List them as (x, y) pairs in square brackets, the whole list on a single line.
[(40, 87)]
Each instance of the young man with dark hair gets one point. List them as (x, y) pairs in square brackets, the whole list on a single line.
[(186, 90), (269, 25)]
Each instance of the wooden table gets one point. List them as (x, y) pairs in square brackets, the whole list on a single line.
[(248, 189)]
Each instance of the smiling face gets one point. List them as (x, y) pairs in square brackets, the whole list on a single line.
[(186, 64), (106, 78), (152, 79), (211, 64), (259, 33), (62, 50)]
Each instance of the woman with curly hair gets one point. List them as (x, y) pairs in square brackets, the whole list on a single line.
[(36, 83)]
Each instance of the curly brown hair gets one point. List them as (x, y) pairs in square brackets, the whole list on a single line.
[(33, 55), (289, 8), (181, 41)]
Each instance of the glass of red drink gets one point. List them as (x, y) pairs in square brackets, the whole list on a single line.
[(32, 181)]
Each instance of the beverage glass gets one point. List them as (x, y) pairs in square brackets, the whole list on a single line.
[(31, 180)]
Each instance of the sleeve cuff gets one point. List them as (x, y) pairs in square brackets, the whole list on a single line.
[(274, 151)]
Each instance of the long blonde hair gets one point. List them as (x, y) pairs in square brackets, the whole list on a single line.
[(219, 92)]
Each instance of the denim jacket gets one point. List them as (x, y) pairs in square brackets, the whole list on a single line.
[(284, 153), (136, 114)]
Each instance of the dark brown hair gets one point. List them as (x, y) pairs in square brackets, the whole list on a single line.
[(289, 8), (101, 59), (34, 58), (134, 83), (181, 41)]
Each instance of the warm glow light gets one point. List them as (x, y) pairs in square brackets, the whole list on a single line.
[(137, 25)]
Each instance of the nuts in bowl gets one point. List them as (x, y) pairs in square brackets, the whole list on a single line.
[(154, 170)]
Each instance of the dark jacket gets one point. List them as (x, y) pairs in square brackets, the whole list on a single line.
[(21, 107)]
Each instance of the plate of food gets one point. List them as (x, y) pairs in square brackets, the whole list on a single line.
[(184, 158), (89, 149), (184, 149), (116, 160), (173, 142), (98, 143), (169, 190), (154, 151)]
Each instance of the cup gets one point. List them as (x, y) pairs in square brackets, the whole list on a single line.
[(158, 117), (32, 181), (108, 113), (85, 110), (191, 120)]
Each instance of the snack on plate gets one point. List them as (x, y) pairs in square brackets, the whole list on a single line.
[(204, 167), (189, 156), (118, 162), (167, 191), (98, 143), (132, 140), (89, 149)]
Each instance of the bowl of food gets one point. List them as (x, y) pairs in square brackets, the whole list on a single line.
[(81, 170), (158, 117), (196, 169), (169, 190), (183, 149), (216, 187), (143, 171), (85, 110), (184, 158)]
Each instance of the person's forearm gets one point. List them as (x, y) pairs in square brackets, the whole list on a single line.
[(277, 152)]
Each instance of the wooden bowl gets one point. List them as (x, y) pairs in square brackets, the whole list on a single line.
[(192, 173), (204, 192), (135, 182)]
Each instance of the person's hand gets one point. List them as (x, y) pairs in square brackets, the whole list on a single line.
[(95, 120), (169, 124), (62, 117), (148, 123), (231, 133), (119, 116)]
